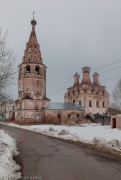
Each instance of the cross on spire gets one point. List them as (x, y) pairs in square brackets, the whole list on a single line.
[(33, 14), (33, 22)]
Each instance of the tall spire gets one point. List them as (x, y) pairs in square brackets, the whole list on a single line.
[(32, 51), (33, 37)]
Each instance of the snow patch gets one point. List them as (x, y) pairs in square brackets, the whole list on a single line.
[(63, 132), (8, 167), (52, 129), (114, 143), (100, 136), (99, 142)]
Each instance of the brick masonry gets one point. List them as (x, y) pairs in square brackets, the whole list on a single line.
[(90, 95)]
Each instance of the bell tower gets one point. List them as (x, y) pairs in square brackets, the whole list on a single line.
[(31, 81)]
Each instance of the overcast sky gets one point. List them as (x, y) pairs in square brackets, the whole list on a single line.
[(71, 33)]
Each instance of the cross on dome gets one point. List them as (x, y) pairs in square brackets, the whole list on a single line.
[(33, 22)]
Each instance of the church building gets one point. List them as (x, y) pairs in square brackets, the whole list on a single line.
[(91, 95), (31, 82), (32, 105)]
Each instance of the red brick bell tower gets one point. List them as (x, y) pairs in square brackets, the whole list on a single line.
[(31, 83)]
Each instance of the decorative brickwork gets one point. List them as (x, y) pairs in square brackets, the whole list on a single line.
[(92, 96), (31, 82)]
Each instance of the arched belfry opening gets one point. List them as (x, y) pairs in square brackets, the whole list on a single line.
[(37, 70), (28, 69)]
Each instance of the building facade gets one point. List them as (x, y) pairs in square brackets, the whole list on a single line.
[(92, 96), (7, 110), (63, 113)]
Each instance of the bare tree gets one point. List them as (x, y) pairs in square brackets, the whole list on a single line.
[(117, 96), (7, 71)]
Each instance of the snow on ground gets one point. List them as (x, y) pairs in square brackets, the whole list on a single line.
[(8, 167), (101, 136)]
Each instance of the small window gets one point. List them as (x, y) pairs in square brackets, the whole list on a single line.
[(35, 45), (80, 103), (29, 59), (37, 117), (27, 69), (78, 116), (13, 108), (69, 116), (103, 104), (97, 104), (90, 103), (74, 101), (37, 70), (59, 116)]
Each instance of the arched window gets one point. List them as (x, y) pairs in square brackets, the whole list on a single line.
[(80, 103), (13, 108), (103, 104), (59, 116), (37, 70), (28, 69), (69, 116), (90, 103), (97, 104)]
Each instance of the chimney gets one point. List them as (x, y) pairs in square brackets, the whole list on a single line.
[(76, 79), (86, 75), (96, 78)]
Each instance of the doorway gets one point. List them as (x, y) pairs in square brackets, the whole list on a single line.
[(114, 123)]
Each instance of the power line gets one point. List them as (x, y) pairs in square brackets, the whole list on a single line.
[(111, 78), (108, 64), (94, 69), (60, 80), (108, 70), (57, 91), (100, 81)]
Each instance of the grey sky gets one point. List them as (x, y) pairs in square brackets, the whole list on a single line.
[(71, 33)]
